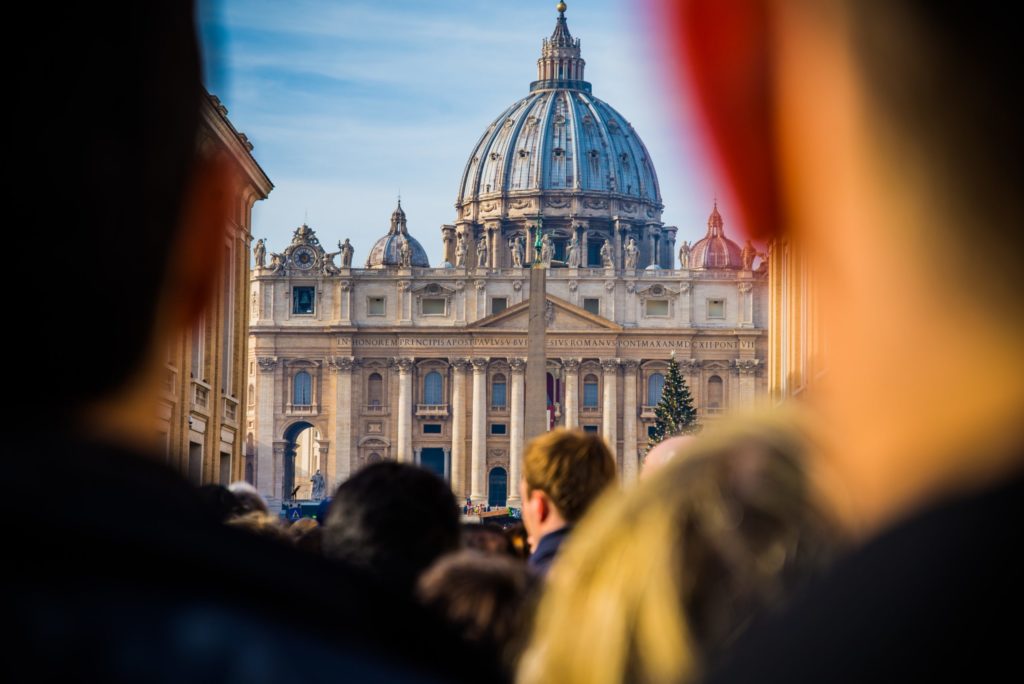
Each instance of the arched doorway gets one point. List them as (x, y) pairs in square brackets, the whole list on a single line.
[(301, 460), (497, 487)]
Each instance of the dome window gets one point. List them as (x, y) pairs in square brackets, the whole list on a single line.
[(495, 156), (558, 152), (594, 154), (523, 153)]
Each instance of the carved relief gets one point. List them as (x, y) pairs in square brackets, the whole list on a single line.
[(609, 285), (267, 363), (404, 364), (595, 203), (341, 363), (747, 366), (521, 203), (479, 364), (517, 364), (517, 285), (571, 365), (557, 202), (459, 364), (573, 285), (609, 365)]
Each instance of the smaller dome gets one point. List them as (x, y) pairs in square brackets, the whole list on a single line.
[(387, 251), (715, 250)]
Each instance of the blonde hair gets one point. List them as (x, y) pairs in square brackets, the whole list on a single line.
[(571, 467), (654, 581)]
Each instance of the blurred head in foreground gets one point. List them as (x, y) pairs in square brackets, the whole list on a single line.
[(487, 597), (392, 519), (656, 582), (663, 452), (880, 141), (564, 471)]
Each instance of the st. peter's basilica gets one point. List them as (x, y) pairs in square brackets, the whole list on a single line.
[(401, 360)]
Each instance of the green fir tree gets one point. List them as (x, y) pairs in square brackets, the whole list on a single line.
[(674, 414)]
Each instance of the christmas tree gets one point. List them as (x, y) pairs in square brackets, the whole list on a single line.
[(674, 414)]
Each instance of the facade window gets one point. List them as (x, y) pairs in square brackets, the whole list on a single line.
[(499, 429), (302, 389), (590, 391), (302, 300), (432, 385), (592, 305), (374, 389), (656, 307), (716, 308), (498, 393), (715, 393), (434, 306), (650, 431), (498, 304), (375, 306), (590, 428), (655, 386), (431, 428)]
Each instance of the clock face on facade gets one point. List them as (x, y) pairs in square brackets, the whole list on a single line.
[(304, 257)]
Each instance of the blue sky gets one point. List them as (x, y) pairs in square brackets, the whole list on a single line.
[(350, 102)]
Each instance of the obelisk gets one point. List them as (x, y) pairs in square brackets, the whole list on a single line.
[(536, 414)]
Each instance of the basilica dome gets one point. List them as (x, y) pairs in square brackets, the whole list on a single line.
[(387, 251), (560, 138), (714, 250)]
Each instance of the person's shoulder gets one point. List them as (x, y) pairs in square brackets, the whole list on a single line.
[(920, 600)]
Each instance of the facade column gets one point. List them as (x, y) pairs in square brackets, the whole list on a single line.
[(478, 474), (458, 479), (265, 400), (611, 414), (630, 464), (516, 431), (747, 370), (339, 464), (405, 366), (572, 384)]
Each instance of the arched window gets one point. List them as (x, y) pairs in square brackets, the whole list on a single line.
[(655, 386), (498, 394), (303, 389), (374, 389), (590, 390), (715, 393), (497, 487), (432, 388)]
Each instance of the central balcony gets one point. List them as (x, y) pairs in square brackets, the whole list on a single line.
[(432, 410)]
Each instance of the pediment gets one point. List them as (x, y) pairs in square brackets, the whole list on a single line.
[(560, 314)]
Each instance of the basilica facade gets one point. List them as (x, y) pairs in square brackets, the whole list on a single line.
[(401, 360)]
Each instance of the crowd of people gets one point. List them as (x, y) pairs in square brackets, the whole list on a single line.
[(874, 546)]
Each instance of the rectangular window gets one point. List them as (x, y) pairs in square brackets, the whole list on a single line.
[(431, 428), (434, 306), (657, 307), (716, 308), (650, 431), (498, 304), (498, 428), (302, 300), (590, 428), (592, 305), (498, 395), (590, 394), (375, 306)]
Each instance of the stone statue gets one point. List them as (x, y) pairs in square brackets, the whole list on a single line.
[(684, 254), (747, 256), (460, 251), (346, 253), (547, 250), (319, 485), (481, 252), (606, 254), (276, 262), (517, 251), (405, 254), (572, 252), (260, 253), (327, 266), (632, 254)]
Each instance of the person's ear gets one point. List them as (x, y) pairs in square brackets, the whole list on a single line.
[(727, 50), (543, 505), (197, 252)]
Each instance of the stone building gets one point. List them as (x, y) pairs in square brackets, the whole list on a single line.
[(398, 360), (202, 414)]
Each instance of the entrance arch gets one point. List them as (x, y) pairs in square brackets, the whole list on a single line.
[(497, 487), (301, 459)]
